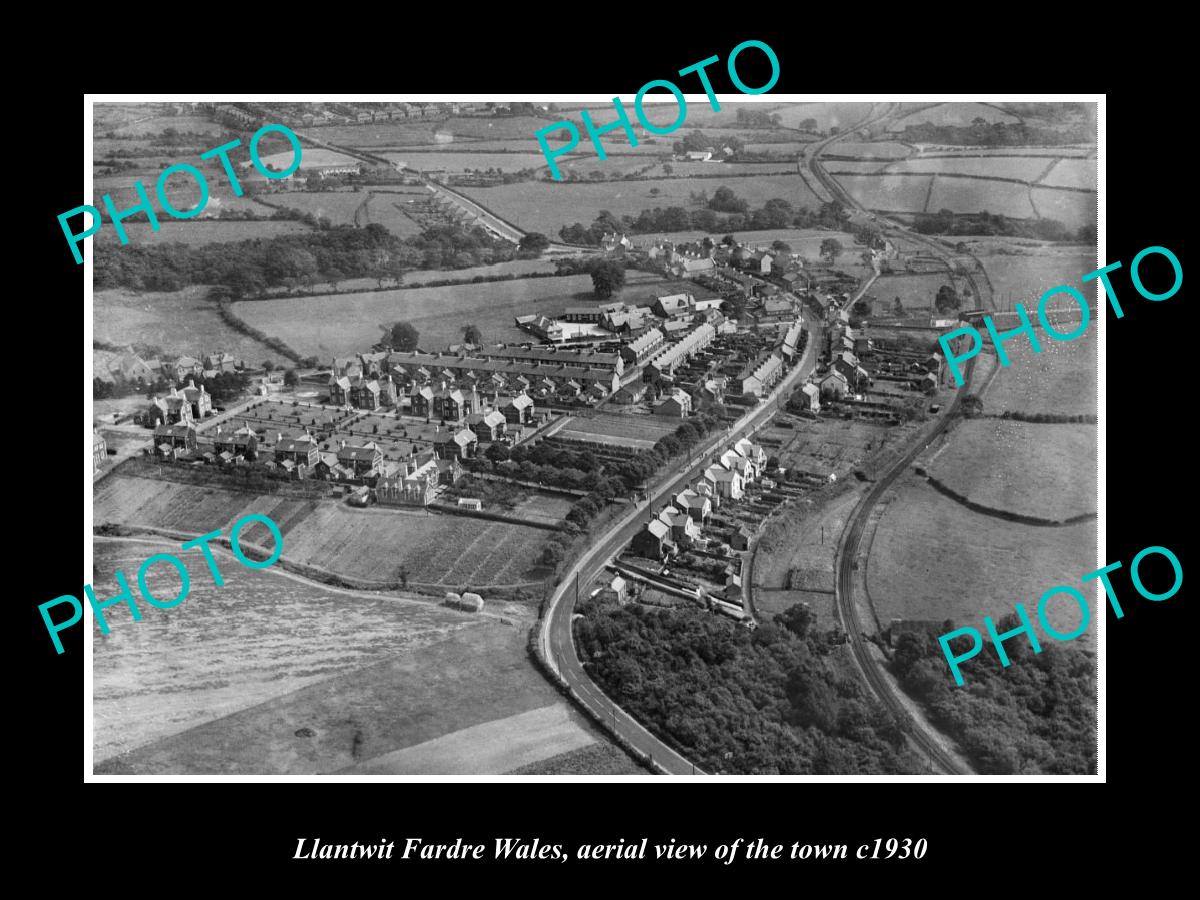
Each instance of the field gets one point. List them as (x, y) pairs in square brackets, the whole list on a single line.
[(342, 324), (1022, 168), (417, 277), (854, 167), (970, 195), (197, 232), (955, 114), (310, 158), (916, 292), (548, 206), (1046, 471), (261, 636), (460, 160), (372, 545), (933, 559), (1023, 277), (595, 759), (868, 150), (835, 445), (1072, 208), (629, 431), (1028, 152), (1062, 379), (1072, 173), (122, 317), (284, 677), (893, 194), (842, 115), (337, 206)]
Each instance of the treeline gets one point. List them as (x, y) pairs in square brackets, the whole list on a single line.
[(230, 318), (771, 701), (1035, 717), (249, 267), (984, 223), (999, 134), (774, 213)]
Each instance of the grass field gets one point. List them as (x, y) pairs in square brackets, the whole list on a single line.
[(855, 166), (892, 194), (310, 158), (595, 759), (1046, 152), (198, 232), (622, 430), (1072, 208), (337, 206), (842, 115), (955, 114), (1072, 173), (122, 317), (1062, 379), (970, 195), (869, 150), (547, 206), (1047, 471), (932, 559), (342, 324), (262, 636), (1025, 169), (387, 209), (372, 544), (916, 292), (1025, 276), (459, 160)]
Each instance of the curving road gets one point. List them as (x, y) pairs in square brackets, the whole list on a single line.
[(557, 643)]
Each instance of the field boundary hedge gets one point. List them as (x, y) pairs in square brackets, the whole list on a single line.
[(493, 516), (1005, 514)]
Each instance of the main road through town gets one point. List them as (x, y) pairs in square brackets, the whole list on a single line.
[(557, 644)]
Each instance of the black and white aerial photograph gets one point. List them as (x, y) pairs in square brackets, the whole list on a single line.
[(693, 457)]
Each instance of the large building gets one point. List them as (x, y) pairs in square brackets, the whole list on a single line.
[(667, 360)]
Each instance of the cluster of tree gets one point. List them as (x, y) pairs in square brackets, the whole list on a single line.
[(1035, 717), (541, 464), (533, 243), (946, 222), (1049, 418), (771, 701), (774, 213), (698, 142), (251, 266), (753, 118), (981, 133), (947, 299)]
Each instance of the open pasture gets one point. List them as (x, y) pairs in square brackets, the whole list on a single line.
[(933, 559), (893, 193), (548, 206), (199, 232), (972, 195), (959, 114), (1073, 208), (340, 207), (1019, 167), (1061, 380), (1045, 471)]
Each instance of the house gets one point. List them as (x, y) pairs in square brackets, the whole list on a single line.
[(754, 453), (653, 541), (301, 452), (704, 488), (667, 360), (684, 531), (630, 393), (131, 368), (834, 384), (329, 469), (642, 348), (220, 362), (740, 539), (809, 397), (459, 444), (199, 399), (694, 504), (183, 367), (760, 262), (847, 363), (614, 591), (699, 155), (243, 442), (490, 426), (451, 405), (99, 452), (339, 390), (677, 405), (615, 242), (364, 394), (421, 398), (170, 439), (727, 482), (929, 383), (735, 462), (760, 375), (791, 339), (518, 410), (673, 305), (361, 461)]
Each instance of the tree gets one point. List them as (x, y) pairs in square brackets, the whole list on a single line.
[(472, 334), (291, 378), (781, 246), (972, 406), (831, 249), (404, 337), (898, 306), (534, 242), (668, 169), (946, 299), (608, 277)]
